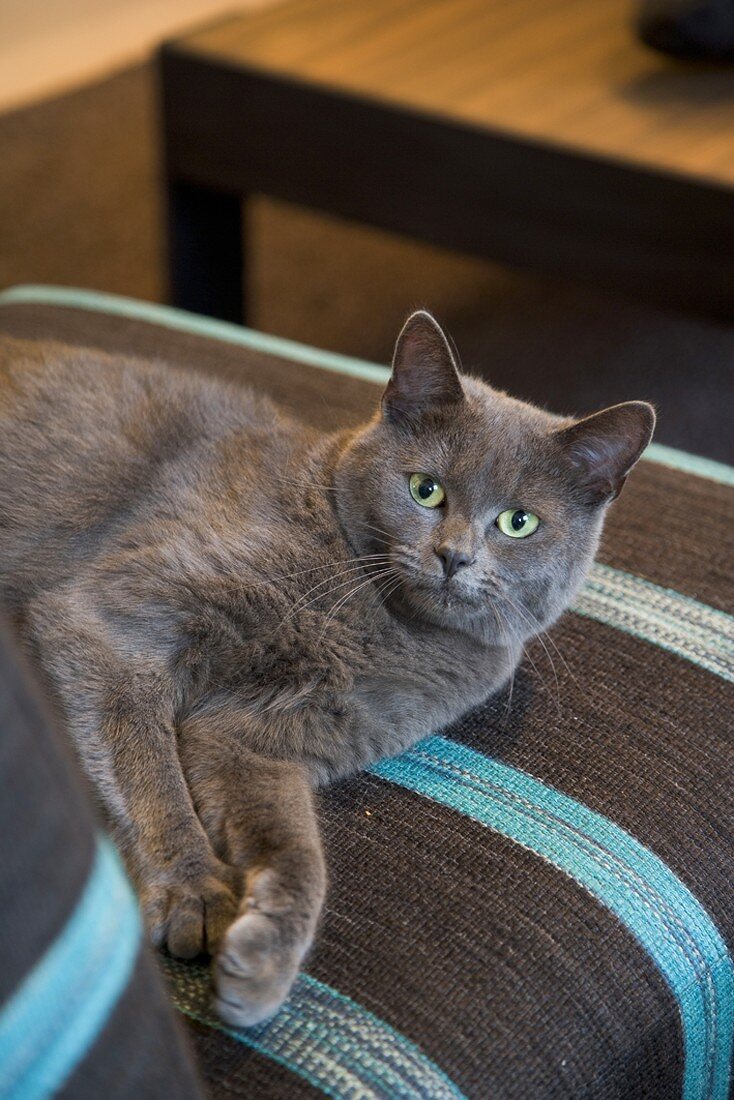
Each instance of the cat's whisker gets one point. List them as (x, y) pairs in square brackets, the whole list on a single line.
[(416, 608), (376, 527), (538, 674), (355, 566), (533, 623), (546, 634), (379, 530), (313, 569), (508, 704), (284, 703), (566, 665), (314, 484), (503, 635), (301, 606), (303, 601), (388, 584), (342, 600), (536, 634), (375, 594), (390, 591), (374, 578), (391, 583), (541, 634)]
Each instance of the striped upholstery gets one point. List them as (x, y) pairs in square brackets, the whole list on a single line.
[(81, 1011), (538, 901)]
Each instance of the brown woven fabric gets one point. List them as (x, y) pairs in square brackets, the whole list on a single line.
[(511, 977), (507, 973), (675, 529), (228, 1074)]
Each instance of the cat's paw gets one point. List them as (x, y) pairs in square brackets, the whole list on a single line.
[(190, 915), (254, 970)]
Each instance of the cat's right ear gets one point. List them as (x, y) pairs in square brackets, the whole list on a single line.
[(424, 375), (603, 448)]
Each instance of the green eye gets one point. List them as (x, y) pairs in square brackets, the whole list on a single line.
[(426, 491), (517, 523)]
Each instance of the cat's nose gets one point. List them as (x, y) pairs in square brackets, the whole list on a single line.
[(452, 560)]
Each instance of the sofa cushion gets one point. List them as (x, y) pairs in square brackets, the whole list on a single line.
[(538, 901), (82, 1014)]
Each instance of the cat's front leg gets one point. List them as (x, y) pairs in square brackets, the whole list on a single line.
[(259, 814), (118, 703)]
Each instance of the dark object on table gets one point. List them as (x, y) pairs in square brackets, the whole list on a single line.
[(689, 28)]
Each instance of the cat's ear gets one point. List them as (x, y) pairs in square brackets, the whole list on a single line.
[(603, 448), (424, 375)]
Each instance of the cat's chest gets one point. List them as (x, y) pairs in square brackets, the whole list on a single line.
[(426, 679), (341, 681), (342, 696), (401, 692)]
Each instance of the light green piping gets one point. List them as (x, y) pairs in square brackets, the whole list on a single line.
[(167, 317), (178, 319), (690, 464)]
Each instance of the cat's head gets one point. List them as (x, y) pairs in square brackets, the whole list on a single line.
[(488, 510)]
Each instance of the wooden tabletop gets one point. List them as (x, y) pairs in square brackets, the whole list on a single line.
[(567, 72)]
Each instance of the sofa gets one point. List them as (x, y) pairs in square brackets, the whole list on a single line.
[(534, 904)]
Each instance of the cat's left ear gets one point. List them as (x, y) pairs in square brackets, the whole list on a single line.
[(424, 373), (603, 448)]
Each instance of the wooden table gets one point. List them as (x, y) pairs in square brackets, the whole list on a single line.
[(535, 132)]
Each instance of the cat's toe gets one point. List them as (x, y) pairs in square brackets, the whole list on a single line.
[(186, 931), (189, 918), (254, 971)]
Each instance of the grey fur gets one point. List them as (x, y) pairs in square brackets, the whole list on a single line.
[(231, 609)]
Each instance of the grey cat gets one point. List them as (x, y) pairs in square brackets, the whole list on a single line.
[(231, 609)]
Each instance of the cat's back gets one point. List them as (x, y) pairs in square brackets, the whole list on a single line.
[(90, 403), (86, 439)]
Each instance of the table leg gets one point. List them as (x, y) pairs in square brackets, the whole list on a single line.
[(205, 251)]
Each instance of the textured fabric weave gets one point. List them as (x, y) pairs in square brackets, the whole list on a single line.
[(56, 1014), (537, 903), (650, 901), (324, 1037), (81, 1011)]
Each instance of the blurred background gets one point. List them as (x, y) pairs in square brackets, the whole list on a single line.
[(81, 204)]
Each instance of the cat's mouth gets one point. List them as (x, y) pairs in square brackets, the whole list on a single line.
[(438, 597), (446, 594)]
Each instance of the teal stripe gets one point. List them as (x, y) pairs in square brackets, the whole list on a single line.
[(167, 317), (326, 1038), (55, 1016), (652, 903), (661, 616)]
